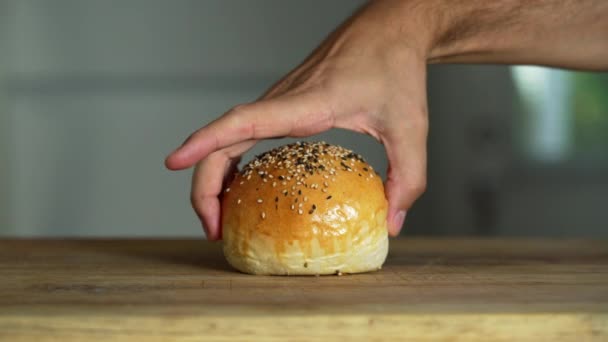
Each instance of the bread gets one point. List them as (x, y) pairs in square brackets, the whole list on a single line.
[(305, 209)]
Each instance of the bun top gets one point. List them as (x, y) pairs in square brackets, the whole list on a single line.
[(302, 192)]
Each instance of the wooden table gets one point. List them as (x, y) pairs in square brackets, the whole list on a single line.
[(153, 290)]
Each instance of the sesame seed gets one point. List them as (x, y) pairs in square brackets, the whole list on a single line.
[(276, 199), (238, 201), (263, 215), (260, 200), (324, 190), (300, 211), (305, 199), (293, 207), (301, 160), (241, 183), (328, 197), (227, 189), (300, 205)]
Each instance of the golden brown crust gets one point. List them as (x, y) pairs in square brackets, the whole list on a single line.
[(313, 195)]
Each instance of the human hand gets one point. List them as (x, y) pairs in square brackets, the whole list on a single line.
[(360, 79), (369, 77)]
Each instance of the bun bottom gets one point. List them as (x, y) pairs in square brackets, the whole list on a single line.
[(262, 255)]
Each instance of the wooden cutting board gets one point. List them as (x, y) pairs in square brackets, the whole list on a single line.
[(157, 290)]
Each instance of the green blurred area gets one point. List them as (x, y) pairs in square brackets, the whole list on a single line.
[(590, 115), (577, 99)]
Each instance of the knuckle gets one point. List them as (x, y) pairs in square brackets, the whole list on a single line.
[(419, 121), (329, 88), (409, 116), (195, 201), (239, 109), (215, 158), (243, 124), (417, 184)]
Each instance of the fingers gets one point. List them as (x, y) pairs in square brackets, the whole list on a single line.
[(208, 180), (405, 146), (217, 146), (299, 115)]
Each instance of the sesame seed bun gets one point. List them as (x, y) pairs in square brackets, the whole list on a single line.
[(305, 209)]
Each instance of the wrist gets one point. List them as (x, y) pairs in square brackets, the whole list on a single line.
[(557, 33), (397, 25), (468, 29)]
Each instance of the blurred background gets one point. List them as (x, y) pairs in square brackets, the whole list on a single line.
[(94, 94)]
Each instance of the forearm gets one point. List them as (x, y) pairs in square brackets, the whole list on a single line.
[(563, 33)]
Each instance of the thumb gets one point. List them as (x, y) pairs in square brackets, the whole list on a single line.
[(406, 175)]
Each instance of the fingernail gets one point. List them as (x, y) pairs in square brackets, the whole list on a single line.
[(398, 220)]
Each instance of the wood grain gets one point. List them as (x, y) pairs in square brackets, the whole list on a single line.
[(446, 289)]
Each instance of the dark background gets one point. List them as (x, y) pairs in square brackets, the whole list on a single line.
[(94, 94)]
